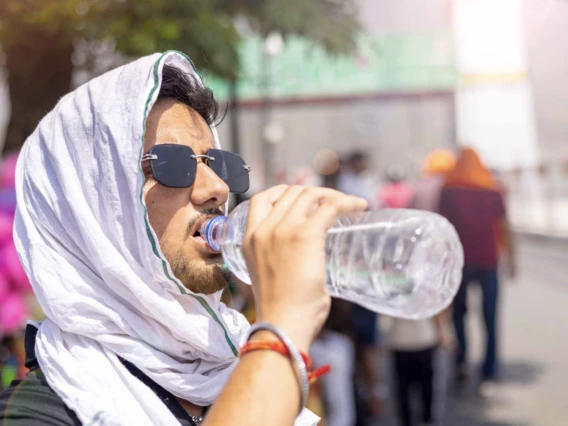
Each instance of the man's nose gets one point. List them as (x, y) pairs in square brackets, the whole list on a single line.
[(209, 190)]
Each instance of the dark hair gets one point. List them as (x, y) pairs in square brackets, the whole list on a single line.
[(186, 89), (356, 156)]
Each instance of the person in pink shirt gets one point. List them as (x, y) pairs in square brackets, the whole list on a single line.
[(396, 193), (16, 298)]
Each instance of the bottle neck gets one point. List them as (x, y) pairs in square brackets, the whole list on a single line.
[(211, 231)]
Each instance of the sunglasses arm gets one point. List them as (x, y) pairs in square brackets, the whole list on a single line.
[(208, 157)]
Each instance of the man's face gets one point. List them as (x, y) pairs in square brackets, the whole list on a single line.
[(175, 213)]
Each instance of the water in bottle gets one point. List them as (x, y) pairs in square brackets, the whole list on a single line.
[(402, 263)]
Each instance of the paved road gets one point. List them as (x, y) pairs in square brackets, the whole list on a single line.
[(534, 346)]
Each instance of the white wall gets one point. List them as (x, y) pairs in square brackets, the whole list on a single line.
[(394, 131), (494, 102), (546, 29), (396, 16)]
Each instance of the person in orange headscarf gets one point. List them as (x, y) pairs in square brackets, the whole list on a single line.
[(469, 172), (473, 203), (437, 165)]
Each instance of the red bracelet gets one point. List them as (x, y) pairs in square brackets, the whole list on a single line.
[(281, 348)]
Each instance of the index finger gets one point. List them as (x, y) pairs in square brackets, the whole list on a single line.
[(333, 208), (261, 204)]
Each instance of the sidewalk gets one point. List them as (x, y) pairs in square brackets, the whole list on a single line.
[(533, 346), (539, 216)]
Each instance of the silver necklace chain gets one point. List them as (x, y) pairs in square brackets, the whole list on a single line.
[(197, 419)]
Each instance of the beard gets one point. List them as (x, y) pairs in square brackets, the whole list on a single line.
[(200, 277)]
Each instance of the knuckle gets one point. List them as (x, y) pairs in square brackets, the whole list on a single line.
[(312, 192), (280, 234), (259, 239), (284, 203), (330, 204), (257, 198), (298, 238), (300, 235), (255, 201), (295, 190), (276, 191)]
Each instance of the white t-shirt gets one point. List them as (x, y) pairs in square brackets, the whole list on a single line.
[(364, 185), (413, 335)]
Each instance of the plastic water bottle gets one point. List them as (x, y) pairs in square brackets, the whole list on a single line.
[(402, 263)]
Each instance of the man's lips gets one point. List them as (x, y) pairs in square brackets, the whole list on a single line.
[(196, 228), (198, 238)]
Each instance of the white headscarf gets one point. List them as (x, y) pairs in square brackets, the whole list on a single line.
[(84, 239)]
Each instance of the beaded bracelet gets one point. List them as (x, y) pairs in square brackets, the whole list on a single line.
[(278, 346)]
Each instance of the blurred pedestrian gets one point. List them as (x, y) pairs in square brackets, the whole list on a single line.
[(414, 342), (472, 202), (17, 303), (334, 347), (396, 193), (355, 179)]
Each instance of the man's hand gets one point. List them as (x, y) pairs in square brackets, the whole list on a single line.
[(284, 248)]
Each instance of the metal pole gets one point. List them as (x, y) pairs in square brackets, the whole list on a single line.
[(234, 117), (234, 121), (265, 115)]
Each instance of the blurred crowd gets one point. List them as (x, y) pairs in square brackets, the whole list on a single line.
[(17, 303), (358, 344), (361, 346)]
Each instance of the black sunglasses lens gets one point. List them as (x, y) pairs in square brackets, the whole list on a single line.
[(231, 168), (174, 166)]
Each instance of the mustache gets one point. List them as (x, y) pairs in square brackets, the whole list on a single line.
[(208, 212)]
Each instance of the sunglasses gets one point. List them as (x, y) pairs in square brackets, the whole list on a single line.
[(175, 166)]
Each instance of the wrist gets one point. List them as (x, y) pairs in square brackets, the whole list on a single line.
[(299, 335), (289, 348)]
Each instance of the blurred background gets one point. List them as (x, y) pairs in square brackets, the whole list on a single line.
[(321, 91)]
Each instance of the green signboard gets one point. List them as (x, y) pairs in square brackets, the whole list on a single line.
[(385, 63)]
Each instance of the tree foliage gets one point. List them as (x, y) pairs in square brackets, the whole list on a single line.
[(39, 38), (135, 27), (204, 29), (330, 23)]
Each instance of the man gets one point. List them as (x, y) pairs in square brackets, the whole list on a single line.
[(112, 188)]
